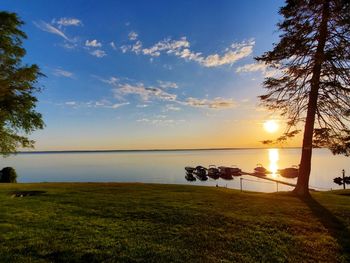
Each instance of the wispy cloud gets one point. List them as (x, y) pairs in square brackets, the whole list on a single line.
[(167, 84), (111, 80), (145, 93), (95, 104), (216, 103), (181, 48), (63, 73), (142, 105), (257, 67), (93, 43), (112, 44), (69, 45), (118, 105), (137, 47), (236, 52), (67, 21), (168, 46), (163, 91), (160, 121), (98, 53), (125, 48), (71, 103), (171, 107), (50, 29), (132, 35)]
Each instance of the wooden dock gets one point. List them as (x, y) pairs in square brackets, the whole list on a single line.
[(268, 179)]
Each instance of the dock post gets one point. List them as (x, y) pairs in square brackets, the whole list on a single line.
[(277, 186), (241, 184)]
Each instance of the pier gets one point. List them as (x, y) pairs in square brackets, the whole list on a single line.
[(268, 179)]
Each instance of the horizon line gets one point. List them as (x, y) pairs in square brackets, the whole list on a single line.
[(153, 150)]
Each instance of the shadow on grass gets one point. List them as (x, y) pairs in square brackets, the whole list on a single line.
[(336, 228)]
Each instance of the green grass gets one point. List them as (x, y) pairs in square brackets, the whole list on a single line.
[(170, 223)]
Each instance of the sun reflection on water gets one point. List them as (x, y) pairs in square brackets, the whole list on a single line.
[(273, 161)]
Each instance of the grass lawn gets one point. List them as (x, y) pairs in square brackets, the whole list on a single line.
[(87, 222)]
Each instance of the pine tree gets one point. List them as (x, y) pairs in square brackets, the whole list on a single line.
[(18, 117), (313, 83)]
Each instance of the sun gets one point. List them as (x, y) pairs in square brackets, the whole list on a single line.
[(271, 126)]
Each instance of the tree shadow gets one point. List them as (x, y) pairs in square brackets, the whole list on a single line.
[(336, 228)]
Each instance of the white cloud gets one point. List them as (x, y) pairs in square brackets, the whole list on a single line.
[(65, 21), (96, 104), (98, 53), (133, 35), (189, 55), (168, 45), (167, 84), (252, 67), (160, 121), (137, 47), (181, 48), (69, 46), (63, 73), (216, 103), (255, 67), (93, 43), (167, 66), (125, 48), (145, 93), (118, 105), (113, 45), (111, 81), (142, 106), (150, 93), (50, 29), (236, 52), (171, 107)]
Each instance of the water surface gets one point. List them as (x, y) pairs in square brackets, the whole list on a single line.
[(168, 166)]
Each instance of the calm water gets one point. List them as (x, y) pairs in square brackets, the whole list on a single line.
[(168, 167)]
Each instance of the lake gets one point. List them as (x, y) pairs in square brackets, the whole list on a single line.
[(168, 167)]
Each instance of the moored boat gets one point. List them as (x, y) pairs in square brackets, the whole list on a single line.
[(189, 177), (190, 169), (213, 172), (290, 172), (235, 171), (260, 170), (225, 172), (201, 173)]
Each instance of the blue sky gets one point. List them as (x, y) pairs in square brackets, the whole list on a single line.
[(149, 74)]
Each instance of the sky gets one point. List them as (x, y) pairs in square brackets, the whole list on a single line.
[(150, 74)]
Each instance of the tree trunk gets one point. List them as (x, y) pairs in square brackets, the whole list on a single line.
[(302, 187)]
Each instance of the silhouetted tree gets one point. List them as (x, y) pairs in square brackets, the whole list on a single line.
[(18, 117), (312, 84)]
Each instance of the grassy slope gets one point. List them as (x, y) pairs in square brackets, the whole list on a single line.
[(163, 223)]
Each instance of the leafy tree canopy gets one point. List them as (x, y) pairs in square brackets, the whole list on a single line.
[(18, 117), (314, 50)]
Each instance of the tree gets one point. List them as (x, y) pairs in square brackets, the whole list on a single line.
[(312, 85), (18, 117)]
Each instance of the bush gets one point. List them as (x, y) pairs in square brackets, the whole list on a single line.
[(8, 175)]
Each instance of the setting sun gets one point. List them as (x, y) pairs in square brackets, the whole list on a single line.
[(271, 126)]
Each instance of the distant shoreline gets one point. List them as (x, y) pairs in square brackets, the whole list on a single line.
[(148, 150)]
